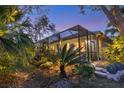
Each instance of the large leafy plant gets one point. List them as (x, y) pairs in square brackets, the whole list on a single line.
[(15, 45), (115, 51), (67, 56), (85, 69)]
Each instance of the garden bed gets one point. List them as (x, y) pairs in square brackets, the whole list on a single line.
[(43, 79)]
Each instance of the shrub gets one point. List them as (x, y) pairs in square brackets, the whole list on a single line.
[(114, 52), (67, 56), (44, 58), (6, 65), (85, 69)]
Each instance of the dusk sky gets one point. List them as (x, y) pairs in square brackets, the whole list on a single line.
[(67, 16)]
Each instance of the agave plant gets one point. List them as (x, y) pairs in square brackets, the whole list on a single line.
[(67, 56)]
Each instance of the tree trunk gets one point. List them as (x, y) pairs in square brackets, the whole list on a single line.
[(115, 17), (62, 72)]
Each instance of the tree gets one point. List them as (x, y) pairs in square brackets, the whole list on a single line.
[(114, 15), (39, 28), (12, 40), (115, 52), (112, 31), (9, 14), (67, 57), (18, 33)]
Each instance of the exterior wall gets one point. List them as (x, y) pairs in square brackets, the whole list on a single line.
[(101, 43), (53, 46), (95, 45), (69, 42), (83, 44)]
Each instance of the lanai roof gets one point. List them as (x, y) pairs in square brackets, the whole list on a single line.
[(69, 33)]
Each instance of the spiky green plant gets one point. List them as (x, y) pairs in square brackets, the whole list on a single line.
[(67, 56)]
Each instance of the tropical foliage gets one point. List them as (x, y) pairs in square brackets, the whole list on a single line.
[(67, 56), (85, 69), (18, 34), (21, 49), (12, 40), (115, 51)]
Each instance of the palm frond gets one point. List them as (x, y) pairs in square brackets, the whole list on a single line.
[(73, 53), (64, 52), (68, 56), (75, 60)]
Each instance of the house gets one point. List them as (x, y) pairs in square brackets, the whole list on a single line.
[(77, 36)]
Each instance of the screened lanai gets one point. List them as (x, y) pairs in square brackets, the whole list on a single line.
[(76, 36)]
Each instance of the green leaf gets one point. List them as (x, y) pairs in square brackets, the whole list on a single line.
[(8, 45), (3, 32)]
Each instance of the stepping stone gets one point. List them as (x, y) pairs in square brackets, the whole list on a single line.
[(101, 74)]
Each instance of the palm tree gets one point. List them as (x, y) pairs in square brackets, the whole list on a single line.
[(67, 56)]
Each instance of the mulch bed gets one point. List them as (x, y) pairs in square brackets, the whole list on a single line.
[(12, 80), (44, 78)]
